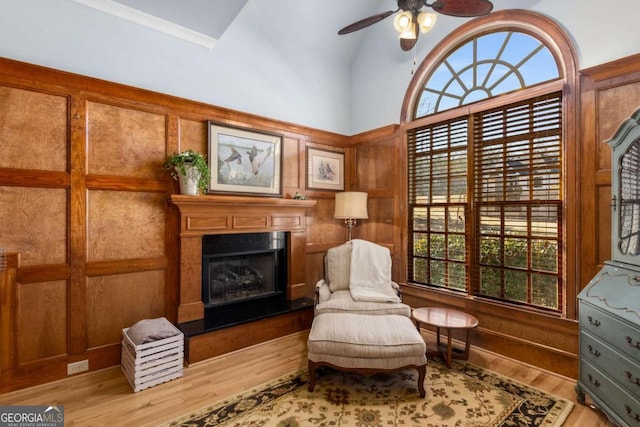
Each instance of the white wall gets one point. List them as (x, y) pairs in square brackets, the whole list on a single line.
[(269, 64), (601, 32)]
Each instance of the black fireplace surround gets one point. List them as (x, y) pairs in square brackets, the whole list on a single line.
[(244, 278)]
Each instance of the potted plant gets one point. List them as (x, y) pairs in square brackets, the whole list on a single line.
[(191, 169)]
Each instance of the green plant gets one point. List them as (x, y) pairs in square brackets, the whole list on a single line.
[(178, 163)]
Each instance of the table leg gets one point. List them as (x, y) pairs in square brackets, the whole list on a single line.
[(448, 358), (465, 355)]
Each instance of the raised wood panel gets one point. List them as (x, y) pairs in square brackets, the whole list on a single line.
[(125, 142), (190, 302), (297, 240), (42, 320), (194, 136), (375, 169), (314, 271), (251, 221), (379, 227), (34, 223), (196, 222), (118, 301), (8, 310), (136, 218), (34, 123), (287, 222), (322, 227), (614, 106), (291, 163)]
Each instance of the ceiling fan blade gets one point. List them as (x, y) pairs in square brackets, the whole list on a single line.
[(463, 8), (366, 22), (408, 44)]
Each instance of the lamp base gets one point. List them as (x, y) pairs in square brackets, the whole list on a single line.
[(349, 223)]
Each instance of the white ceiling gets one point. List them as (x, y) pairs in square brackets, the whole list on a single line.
[(309, 24), (209, 17)]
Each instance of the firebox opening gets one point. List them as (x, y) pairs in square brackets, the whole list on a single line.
[(239, 268)]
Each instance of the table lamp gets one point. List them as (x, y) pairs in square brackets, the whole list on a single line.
[(351, 206)]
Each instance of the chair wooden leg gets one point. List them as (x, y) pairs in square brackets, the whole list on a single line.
[(422, 373), (312, 375)]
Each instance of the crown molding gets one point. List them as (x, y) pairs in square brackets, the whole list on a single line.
[(158, 24)]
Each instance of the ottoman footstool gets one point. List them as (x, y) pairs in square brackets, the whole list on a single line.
[(366, 344)]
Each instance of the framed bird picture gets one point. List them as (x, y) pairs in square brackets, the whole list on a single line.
[(244, 161), (325, 169)]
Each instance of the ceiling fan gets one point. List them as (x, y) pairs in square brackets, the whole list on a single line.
[(412, 19)]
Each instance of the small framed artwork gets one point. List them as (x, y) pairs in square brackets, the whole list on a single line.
[(325, 169), (244, 161)]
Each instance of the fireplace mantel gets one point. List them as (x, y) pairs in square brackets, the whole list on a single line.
[(210, 214)]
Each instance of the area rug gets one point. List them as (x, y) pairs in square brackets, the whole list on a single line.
[(465, 395)]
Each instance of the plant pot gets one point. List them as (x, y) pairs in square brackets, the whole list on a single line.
[(188, 182)]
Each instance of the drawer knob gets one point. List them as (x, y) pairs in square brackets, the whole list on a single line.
[(630, 378), (631, 343), (631, 414), (596, 353), (593, 381), (593, 322)]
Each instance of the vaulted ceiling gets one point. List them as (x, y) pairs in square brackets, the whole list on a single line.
[(313, 25)]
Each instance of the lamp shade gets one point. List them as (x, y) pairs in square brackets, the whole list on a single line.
[(351, 205), (426, 21), (404, 25)]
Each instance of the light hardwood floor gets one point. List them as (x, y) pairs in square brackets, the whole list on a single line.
[(104, 398)]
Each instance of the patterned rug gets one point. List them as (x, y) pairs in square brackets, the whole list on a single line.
[(465, 395)]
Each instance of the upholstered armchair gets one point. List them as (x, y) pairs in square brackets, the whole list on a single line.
[(358, 280)]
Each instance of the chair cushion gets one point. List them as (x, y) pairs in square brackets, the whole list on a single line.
[(338, 261), (357, 336), (342, 302)]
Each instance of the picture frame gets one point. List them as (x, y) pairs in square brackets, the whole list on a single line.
[(244, 161), (325, 169)]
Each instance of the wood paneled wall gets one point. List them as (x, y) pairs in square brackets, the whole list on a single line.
[(85, 210), (610, 94), (607, 94), (94, 246)]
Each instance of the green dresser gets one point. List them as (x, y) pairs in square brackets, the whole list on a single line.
[(610, 343), (609, 306)]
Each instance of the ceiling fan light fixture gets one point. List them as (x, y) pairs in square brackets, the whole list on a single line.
[(426, 21), (403, 23), (410, 19), (408, 35)]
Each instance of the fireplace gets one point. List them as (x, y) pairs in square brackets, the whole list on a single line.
[(238, 269), (211, 324)]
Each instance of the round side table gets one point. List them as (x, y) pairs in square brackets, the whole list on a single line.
[(448, 319)]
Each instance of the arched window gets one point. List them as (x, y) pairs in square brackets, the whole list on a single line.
[(486, 150), (487, 66)]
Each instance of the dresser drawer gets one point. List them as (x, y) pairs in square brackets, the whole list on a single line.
[(603, 391), (620, 369), (614, 331)]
